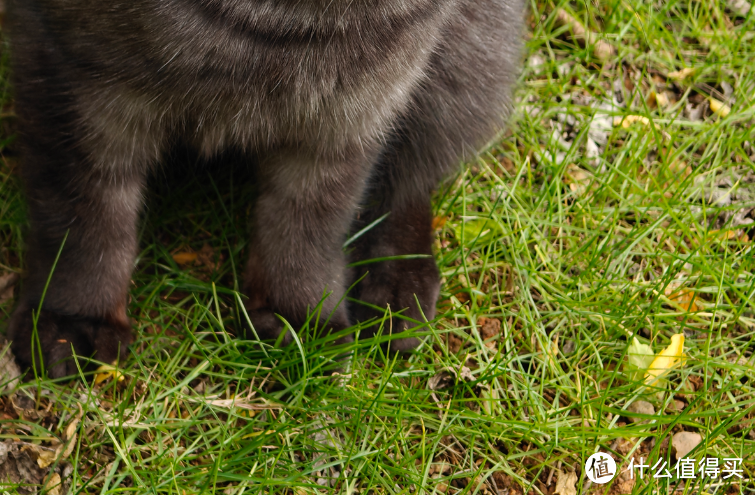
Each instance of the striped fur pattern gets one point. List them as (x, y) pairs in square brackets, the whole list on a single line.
[(346, 109)]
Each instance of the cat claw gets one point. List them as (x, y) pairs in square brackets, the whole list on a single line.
[(65, 343)]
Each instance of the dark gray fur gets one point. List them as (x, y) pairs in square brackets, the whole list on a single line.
[(349, 109)]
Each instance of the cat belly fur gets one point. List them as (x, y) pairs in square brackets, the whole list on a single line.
[(339, 102)]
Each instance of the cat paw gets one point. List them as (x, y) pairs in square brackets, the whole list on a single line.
[(267, 325), (58, 337), (394, 285)]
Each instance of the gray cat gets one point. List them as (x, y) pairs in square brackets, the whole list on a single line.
[(347, 110)]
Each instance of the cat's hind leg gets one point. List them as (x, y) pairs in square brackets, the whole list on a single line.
[(458, 107)]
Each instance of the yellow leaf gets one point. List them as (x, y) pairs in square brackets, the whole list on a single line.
[(719, 108), (659, 100), (45, 457), (258, 433), (184, 258), (627, 121), (666, 359), (681, 74), (685, 298), (731, 235), (107, 371)]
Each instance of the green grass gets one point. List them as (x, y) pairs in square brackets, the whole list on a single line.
[(572, 248)]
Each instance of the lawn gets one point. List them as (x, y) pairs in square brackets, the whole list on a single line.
[(615, 212)]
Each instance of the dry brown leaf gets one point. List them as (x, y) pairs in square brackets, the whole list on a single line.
[(9, 370), (206, 257), (184, 258), (600, 47), (439, 222), (53, 485), (731, 235), (448, 377), (490, 328), (237, 402), (566, 484), (45, 456), (71, 435)]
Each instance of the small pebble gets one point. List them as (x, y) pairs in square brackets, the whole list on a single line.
[(683, 443), (640, 407), (676, 406)]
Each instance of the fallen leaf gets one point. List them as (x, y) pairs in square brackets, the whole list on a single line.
[(666, 359), (719, 108), (490, 328), (9, 370), (680, 75), (627, 121), (447, 377), (639, 357), (52, 487), (600, 47), (659, 100), (731, 235), (479, 231), (45, 456), (566, 484), (71, 435), (439, 222), (258, 433), (578, 180), (185, 258), (206, 257), (684, 298), (107, 371)]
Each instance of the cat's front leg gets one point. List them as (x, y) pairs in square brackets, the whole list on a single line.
[(300, 222), (85, 154), (83, 306)]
